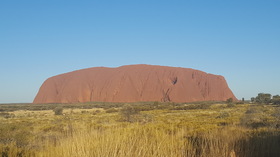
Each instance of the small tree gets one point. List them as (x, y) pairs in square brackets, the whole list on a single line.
[(276, 99), (58, 110), (263, 98), (128, 111), (253, 99)]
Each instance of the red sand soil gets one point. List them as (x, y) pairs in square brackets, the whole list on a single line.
[(134, 83)]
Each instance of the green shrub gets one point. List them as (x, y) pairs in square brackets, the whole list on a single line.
[(83, 112), (58, 110), (191, 106), (128, 111), (255, 117), (111, 110), (276, 114), (7, 115), (229, 100), (223, 115), (230, 105)]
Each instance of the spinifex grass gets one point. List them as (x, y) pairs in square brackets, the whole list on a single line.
[(188, 132)]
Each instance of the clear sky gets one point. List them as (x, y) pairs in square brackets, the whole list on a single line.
[(239, 39)]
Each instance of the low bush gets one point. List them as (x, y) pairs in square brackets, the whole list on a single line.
[(128, 111), (7, 115), (255, 117), (191, 106), (223, 115), (58, 110), (111, 110)]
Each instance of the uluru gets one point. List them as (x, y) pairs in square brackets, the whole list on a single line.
[(134, 83)]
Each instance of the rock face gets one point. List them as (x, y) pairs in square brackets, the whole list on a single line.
[(134, 83)]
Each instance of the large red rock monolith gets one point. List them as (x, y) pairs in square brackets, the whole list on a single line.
[(134, 83)]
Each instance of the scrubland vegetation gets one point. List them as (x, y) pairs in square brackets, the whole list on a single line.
[(146, 129)]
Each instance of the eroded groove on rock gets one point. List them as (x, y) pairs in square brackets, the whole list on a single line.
[(174, 80)]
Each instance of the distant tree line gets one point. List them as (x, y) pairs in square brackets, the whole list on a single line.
[(266, 98)]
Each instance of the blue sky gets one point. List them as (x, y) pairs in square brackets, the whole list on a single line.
[(42, 38)]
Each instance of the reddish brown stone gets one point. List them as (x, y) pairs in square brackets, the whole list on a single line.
[(134, 83)]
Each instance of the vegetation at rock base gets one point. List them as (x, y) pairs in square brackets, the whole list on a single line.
[(265, 98), (202, 129)]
